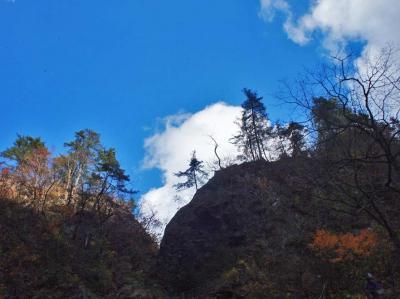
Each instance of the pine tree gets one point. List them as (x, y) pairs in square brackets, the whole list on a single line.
[(22, 148), (80, 161), (254, 129), (109, 179), (195, 175), (291, 139), (30, 167)]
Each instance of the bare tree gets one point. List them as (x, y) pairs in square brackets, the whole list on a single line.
[(151, 223), (216, 145), (354, 123)]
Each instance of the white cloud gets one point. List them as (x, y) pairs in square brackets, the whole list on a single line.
[(270, 7), (375, 22), (268, 10), (170, 150), (337, 23)]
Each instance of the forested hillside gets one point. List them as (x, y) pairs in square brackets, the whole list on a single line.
[(309, 209), (67, 224)]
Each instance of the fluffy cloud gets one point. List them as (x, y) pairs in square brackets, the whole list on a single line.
[(340, 21), (170, 150)]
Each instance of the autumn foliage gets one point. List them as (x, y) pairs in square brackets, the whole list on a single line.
[(5, 171), (66, 223), (346, 246)]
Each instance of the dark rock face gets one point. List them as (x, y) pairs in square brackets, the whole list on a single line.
[(207, 236), (247, 234)]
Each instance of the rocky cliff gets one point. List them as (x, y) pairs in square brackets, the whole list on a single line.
[(238, 216)]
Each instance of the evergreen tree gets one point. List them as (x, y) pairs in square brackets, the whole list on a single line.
[(291, 140), (30, 169), (22, 148), (109, 180), (76, 167), (254, 129), (195, 175)]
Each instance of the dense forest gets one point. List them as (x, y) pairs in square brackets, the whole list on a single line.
[(317, 215)]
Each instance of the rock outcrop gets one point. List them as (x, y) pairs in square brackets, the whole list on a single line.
[(247, 234), (229, 219)]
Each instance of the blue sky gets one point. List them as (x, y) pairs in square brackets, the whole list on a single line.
[(118, 67)]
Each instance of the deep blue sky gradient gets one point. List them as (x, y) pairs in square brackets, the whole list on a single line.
[(118, 66)]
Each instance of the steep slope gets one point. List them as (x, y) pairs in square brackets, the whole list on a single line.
[(247, 234), (40, 258), (234, 217)]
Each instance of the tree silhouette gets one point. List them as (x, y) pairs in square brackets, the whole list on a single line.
[(195, 175), (254, 129)]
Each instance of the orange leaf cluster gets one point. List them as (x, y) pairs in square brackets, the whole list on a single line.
[(344, 246), (5, 171)]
